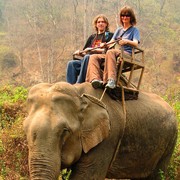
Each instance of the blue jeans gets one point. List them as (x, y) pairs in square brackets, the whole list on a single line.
[(76, 70)]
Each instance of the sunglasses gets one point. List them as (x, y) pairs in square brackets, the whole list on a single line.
[(127, 15)]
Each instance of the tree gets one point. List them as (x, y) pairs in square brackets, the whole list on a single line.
[(45, 33)]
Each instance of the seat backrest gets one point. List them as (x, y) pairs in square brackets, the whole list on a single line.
[(129, 63), (136, 56)]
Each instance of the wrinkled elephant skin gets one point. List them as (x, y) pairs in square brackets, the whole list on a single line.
[(68, 127)]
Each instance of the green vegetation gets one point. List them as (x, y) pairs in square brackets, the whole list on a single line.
[(11, 104), (11, 94), (2, 34), (13, 148), (173, 98), (13, 145)]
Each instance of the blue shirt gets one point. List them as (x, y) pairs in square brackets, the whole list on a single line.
[(131, 34)]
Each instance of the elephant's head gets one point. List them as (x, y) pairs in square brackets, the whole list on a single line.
[(61, 124)]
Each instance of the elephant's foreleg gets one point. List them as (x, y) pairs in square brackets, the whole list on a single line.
[(87, 172), (90, 167)]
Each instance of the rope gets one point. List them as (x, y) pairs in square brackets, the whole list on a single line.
[(119, 141), (124, 112), (103, 94), (94, 100)]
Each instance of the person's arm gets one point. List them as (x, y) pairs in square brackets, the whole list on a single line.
[(128, 42), (88, 44), (102, 47), (134, 42), (98, 50)]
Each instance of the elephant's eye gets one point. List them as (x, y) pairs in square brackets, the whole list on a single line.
[(66, 130), (30, 100), (65, 134)]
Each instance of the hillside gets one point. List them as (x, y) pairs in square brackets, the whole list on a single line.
[(38, 38)]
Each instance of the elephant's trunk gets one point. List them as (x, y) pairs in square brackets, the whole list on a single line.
[(43, 168)]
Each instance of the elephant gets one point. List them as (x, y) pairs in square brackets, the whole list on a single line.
[(68, 126)]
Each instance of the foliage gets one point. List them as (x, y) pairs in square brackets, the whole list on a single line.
[(161, 174), (11, 94), (173, 98), (11, 104), (13, 152), (65, 174), (13, 146)]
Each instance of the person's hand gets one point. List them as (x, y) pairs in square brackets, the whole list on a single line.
[(77, 52), (123, 42), (103, 45), (87, 50)]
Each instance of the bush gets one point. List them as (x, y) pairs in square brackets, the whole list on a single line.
[(11, 104), (7, 58), (173, 98), (13, 145), (13, 152)]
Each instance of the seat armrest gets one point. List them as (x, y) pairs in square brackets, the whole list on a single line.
[(137, 54)]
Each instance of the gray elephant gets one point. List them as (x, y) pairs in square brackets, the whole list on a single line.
[(69, 127)]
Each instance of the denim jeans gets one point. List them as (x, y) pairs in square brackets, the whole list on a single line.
[(76, 70)]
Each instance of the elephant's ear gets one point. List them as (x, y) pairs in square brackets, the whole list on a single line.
[(95, 124)]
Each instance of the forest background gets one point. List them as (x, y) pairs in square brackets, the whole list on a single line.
[(38, 38)]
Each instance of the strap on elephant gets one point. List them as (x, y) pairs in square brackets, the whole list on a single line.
[(103, 94), (94, 100), (99, 102), (120, 138), (123, 99), (119, 142)]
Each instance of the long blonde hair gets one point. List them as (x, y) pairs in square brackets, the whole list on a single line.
[(96, 19)]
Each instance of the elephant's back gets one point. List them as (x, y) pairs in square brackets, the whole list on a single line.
[(150, 109), (150, 133), (151, 118), (148, 102)]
